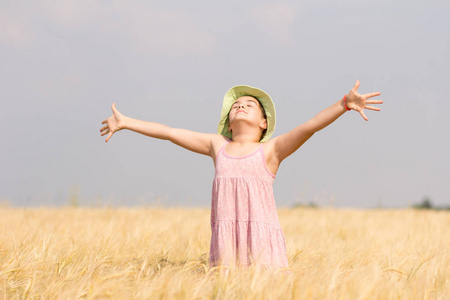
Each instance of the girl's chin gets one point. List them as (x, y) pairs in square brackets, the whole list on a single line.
[(241, 117)]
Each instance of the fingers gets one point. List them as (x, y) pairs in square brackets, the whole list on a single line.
[(108, 137), (370, 95), (105, 129), (356, 85), (104, 132), (373, 108), (374, 101), (363, 115)]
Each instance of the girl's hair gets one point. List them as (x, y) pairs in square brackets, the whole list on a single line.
[(263, 113), (265, 117)]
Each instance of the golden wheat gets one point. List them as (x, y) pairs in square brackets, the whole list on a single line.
[(156, 253)]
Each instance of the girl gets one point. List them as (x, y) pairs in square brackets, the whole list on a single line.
[(244, 221)]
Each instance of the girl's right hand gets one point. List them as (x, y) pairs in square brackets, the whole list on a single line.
[(113, 123)]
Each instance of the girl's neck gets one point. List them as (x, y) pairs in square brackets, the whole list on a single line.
[(245, 135), (245, 139)]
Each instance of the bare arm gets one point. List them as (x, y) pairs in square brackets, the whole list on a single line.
[(286, 144), (195, 141)]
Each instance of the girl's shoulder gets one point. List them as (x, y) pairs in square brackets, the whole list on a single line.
[(268, 146), (217, 142)]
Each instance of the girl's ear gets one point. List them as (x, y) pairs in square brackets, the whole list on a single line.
[(263, 124)]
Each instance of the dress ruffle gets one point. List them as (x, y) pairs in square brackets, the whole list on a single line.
[(242, 243)]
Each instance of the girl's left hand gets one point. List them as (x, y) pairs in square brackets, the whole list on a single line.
[(359, 102)]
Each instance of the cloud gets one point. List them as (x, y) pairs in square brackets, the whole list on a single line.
[(163, 31), (145, 28), (275, 20), (16, 30), (137, 26)]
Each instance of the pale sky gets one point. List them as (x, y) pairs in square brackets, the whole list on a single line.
[(63, 63)]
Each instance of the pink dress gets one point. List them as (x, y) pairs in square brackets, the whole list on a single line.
[(244, 220)]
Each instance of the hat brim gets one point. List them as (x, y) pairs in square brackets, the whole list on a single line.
[(244, 90)]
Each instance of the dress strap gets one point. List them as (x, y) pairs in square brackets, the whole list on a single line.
[(263, 156), (223, 147)]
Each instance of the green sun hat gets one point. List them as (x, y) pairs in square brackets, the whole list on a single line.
[(244, 90)]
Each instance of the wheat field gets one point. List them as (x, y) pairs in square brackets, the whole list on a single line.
[(162, 253)]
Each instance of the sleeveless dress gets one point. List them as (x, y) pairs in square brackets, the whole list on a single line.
[(245, 228)]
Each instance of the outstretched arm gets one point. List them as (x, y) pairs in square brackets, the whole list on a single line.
[(286, 144), (195, 141)]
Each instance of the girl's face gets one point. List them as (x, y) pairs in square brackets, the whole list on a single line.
[(247, 108)]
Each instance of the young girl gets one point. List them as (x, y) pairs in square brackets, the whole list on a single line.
[(244, 222)]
